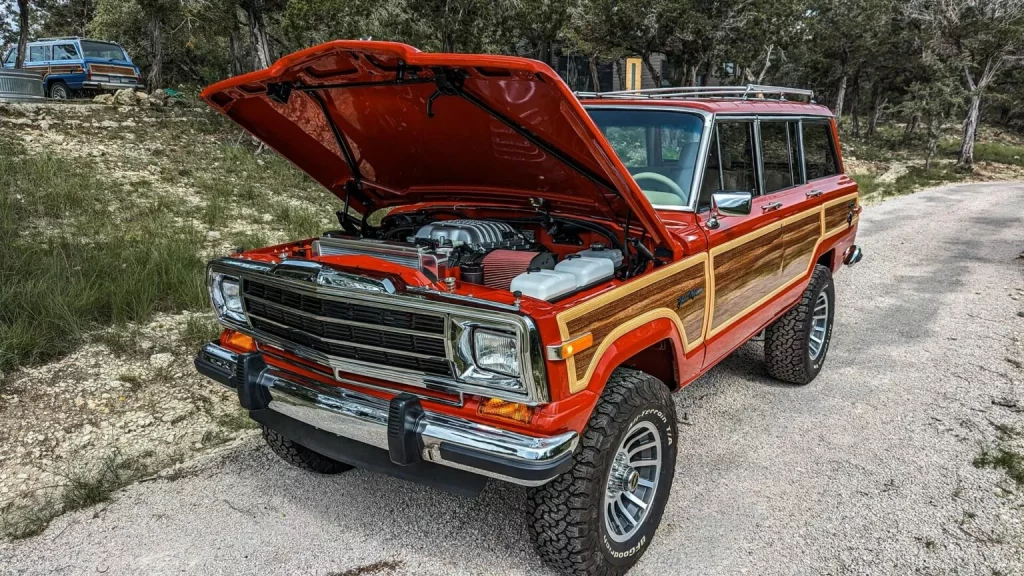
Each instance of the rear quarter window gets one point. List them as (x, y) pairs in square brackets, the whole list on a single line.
[(819, 150), (65, 52)]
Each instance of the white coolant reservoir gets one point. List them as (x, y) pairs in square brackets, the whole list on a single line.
[(587, 271), (544, 284), (598, 250)]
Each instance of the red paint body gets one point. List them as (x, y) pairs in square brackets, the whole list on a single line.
[(383, 120)]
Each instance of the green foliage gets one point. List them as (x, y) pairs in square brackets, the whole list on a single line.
[(56, 285)]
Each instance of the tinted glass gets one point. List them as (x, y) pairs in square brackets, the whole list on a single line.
[(38, 53), (659, 146), (102, 50), (780, 155), (819, 150), (730, 163), (65, 52)]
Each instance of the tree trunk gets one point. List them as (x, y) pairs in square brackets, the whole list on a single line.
[(22, 33), (155, 78), (840, 97), (876, 113), (595, 77), (234, 54), (655, 75), (258, 35), (912, 124), (966, 157)]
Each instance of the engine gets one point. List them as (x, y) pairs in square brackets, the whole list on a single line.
[(490, 253)]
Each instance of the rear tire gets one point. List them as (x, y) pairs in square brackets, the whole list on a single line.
[(301, 457), (579, 525), (796, 344), (59, 91)]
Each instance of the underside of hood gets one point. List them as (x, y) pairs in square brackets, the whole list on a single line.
[(382, 124)]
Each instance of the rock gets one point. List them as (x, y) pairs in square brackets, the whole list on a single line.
[(161, 360), (160, 96), (125, 97), (104, 99)]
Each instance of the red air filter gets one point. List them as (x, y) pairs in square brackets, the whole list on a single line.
[(501, 266)]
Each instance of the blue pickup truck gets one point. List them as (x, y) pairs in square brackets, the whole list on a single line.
[(72, 66)]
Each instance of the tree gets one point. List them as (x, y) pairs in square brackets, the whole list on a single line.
[(23, 30), (981, 39), (65, 17)]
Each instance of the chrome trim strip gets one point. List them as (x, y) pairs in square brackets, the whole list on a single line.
[(364, 418), (382, 328), (307, 382), (347, 343)]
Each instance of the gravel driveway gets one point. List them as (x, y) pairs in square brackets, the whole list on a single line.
[(868, 470)]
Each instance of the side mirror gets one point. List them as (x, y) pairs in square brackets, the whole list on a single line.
[(729, 203)]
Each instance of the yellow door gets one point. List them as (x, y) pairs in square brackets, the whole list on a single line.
[(634, 73)]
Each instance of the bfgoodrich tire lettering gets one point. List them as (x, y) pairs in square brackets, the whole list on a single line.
[(787, 342), (300, 456), (569, 527)]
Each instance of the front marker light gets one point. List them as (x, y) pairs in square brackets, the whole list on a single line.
[(496, 352), (227, 297)]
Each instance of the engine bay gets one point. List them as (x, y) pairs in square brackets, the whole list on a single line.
[(547, 260)]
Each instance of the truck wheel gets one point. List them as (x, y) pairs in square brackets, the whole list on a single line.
[(599, 517), (59, 91), (300, 456), (796, 344)]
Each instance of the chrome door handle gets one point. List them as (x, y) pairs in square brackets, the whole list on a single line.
[(815, 193), (771, 206)]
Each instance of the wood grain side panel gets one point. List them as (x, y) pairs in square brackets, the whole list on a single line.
[(799, 239), (744, 274), (836, 215), (664, 293)]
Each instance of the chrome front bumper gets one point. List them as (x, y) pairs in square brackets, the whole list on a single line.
[(408, 433)]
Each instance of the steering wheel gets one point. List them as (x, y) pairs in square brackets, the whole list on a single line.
[(662, 179)]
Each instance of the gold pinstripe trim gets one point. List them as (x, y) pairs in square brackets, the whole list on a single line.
[(615, 295), (824, 235), (707, 260)]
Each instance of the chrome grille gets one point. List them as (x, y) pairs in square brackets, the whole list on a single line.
[(353, 330)]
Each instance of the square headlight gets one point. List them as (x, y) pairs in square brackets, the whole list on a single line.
[(226, 295), (496, 352)]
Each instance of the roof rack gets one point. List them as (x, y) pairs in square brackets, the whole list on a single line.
[(750, 91), (56, 38)]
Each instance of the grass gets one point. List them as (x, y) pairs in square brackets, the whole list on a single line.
[(198, 330), (78, 488), (872, 189), (82, 251), (1003, 456), (67, 267)]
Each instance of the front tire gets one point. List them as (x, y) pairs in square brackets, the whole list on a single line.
[(301, 457), (795, 345), (599, 517), (59, 91)]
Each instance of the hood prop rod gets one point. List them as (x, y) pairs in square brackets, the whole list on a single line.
[(355, 184)]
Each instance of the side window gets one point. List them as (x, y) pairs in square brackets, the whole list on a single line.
[(780, 155), (819, 150), (12, 56), (630, 143), (65, 52), (730, 162), (38, 53)]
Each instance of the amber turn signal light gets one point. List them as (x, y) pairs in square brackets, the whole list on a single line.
[(574, 346), (238, 340), (502, 409)]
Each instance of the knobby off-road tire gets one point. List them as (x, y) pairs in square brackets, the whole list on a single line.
[(300, 456), (790, 343), (570, 526)]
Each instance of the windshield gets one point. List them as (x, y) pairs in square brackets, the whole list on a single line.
[(659, 147), (92, 49)]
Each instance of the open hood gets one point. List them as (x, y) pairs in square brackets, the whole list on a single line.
[(384, 124)]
